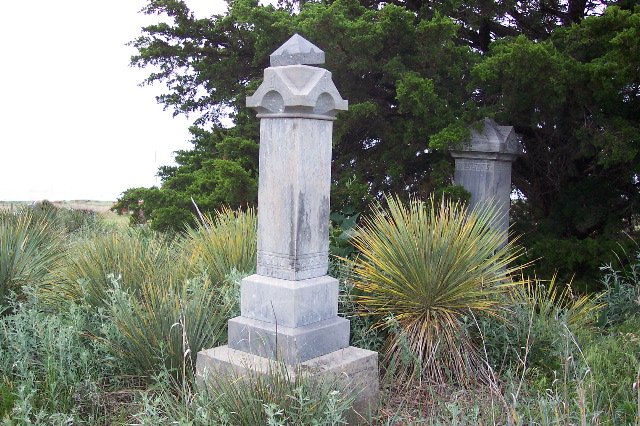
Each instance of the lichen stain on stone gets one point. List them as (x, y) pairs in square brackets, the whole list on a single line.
[(323, 218), (292, 226), (304, 230)]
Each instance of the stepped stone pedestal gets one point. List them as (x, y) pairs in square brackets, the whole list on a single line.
[(289, 308)]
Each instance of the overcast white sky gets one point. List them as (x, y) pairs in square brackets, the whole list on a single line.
[(74, 124)]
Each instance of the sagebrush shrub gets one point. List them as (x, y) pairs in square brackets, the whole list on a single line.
[(50, 359)]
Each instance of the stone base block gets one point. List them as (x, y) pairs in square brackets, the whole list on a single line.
[(350, 370), (287, 344), (289, 303)]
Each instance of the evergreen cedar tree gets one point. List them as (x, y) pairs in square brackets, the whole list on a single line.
[(417, 74)]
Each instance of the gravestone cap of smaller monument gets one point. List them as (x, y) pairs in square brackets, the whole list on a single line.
[(297, 51), (494, 138)]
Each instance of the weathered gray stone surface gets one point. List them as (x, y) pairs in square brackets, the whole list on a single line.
[(297, 51), (297, 90), (292, 345), (484, 167), (351, 370), (289, 308), (293, 198), (289, 303)]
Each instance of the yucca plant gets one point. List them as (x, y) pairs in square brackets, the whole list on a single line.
[(164, 326), (223, 242), (425, 266), (559, 303), (30, 249), (133, 257)]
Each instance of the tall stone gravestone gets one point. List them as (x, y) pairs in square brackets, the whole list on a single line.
[(484, 167), (289, 308)]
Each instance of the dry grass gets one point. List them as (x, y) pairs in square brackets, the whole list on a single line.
[(93, 205), (439, 404), (101, 207)]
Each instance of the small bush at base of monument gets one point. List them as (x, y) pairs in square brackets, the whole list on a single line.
[(167, 326), (275, 399)]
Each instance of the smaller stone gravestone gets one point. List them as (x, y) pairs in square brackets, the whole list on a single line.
[(484, 166)]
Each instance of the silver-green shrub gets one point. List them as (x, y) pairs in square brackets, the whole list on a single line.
[(622, 292)]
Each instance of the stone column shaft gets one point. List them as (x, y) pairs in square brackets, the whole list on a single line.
[(293, 197), (289, 308)]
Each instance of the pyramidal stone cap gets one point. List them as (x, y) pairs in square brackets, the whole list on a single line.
[(297, 51), (494, 138), (292, 87)]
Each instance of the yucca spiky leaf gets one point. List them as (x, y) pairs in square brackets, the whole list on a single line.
[(31, 248), (136, 258), (224, 242), (427, 265), (551, 299)]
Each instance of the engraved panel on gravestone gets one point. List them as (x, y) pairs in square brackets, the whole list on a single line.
[(289, 267), (475, 166), (502, 167)]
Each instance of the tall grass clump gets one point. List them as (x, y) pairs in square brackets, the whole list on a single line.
[(614, 365), (164, 327), (542, 316), (222, 243), (622, 292), (278, 398), (425, 266), (136, 259), (31, 247), (168, 299)]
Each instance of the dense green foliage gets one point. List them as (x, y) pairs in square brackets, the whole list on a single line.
[(402, 90), (417, 74), (124, 354), (574, 99)]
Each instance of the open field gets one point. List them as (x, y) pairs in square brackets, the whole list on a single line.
[(93, 205), (102, 208)]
